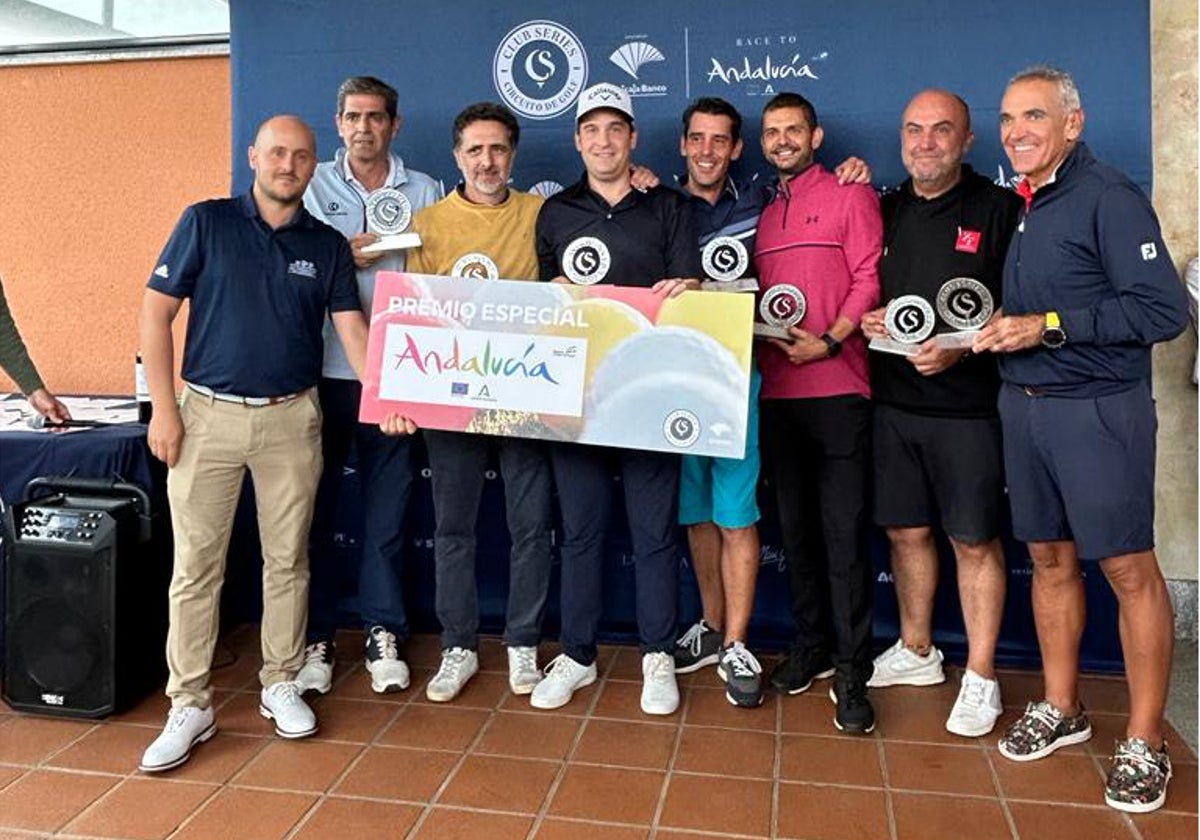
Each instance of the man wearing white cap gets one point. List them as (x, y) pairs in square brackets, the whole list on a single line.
[(602, 230)]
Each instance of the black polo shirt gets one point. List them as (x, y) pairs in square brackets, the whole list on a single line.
[(962, 233), (646, 237), (258, 295)]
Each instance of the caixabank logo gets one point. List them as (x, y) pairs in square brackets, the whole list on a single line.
[(540, 68)]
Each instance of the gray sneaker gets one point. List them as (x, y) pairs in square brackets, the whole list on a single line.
[(1042, 730), (742, 675), (316, 674), (458, 666), (699, 646)]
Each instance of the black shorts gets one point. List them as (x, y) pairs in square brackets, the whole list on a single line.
[(926, 466)]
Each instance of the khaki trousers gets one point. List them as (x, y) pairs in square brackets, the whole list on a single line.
[(281, 446)]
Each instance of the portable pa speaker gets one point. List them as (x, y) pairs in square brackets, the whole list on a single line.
[(85, 599)]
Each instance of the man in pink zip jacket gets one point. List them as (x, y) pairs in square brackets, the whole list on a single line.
[(817, 252)]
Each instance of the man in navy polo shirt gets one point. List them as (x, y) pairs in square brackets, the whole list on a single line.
[(602, 230), (260, 274), (365, 180), (1089, 288)]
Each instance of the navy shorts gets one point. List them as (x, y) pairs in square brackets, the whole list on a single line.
[(1081, 469), (931, 469)]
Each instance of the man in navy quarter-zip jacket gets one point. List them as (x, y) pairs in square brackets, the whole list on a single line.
[(1089, 288), (364, 171)]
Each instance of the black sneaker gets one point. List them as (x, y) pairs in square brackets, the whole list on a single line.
[(854, 712), (742, 675), (796, 672), (699, 646)]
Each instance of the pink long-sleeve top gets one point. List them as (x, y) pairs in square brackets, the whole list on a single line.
[(824, 239)]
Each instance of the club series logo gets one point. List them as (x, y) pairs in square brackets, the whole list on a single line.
[(540, 68), (964, 303), (909, 319), (724, 258), (388, 211), (783, 306), (681, 428), (586, 261), (475, 266)]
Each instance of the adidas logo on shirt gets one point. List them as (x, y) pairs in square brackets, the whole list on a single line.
[(163, 272)]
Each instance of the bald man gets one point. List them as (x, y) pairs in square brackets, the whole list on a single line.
[(936, 434), (260, 274)]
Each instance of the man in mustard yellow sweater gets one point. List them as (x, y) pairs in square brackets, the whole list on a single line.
[(483, 229)]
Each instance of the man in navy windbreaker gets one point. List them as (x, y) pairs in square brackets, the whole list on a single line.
[(1088, 289)]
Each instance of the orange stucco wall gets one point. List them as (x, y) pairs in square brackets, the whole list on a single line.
[(99, 161)]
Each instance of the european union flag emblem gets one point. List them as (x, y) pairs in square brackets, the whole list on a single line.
[(458, 389)]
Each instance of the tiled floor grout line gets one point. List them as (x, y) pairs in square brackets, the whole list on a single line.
[(598, 689), (885, 779), (1001, 796), (350, 765), (462, 759), (777, 767), (661, 804)]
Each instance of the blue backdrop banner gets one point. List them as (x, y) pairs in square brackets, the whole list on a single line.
[(859, 61)]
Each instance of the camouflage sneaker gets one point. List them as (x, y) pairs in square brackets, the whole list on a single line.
[(1137, 779), (1041, 731)]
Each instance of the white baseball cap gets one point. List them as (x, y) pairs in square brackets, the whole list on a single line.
[(604, 95)]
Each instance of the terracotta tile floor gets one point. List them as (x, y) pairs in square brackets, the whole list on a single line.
[(489, 767)]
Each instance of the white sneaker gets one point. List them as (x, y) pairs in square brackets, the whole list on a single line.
[(898, 665), (563, 676), (523, 673), (283, 704), (388, 671), (977, 707), (316, 674), (660, 694), (458, 666), (186, 727)]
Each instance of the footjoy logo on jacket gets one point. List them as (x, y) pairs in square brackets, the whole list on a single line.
[(303, 268)]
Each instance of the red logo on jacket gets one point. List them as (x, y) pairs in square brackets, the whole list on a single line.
[(968, 241)]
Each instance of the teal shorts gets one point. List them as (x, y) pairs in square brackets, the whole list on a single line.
[(724, 490)]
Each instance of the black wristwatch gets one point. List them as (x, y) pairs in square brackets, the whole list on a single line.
[(1053, 335), (833, 344)]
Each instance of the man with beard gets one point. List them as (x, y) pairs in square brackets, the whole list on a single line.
[(485, 230), (817, 247)]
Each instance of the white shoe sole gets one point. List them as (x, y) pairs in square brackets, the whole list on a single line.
[(283, 733), (1065, 741), (435, 696), (1139, 807), (660, 710), (901, 679), (973, 732), (545, 704), (521, 689), (199, 739), (698, 664)]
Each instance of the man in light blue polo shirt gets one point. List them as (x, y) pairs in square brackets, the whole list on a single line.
[(363, 191)]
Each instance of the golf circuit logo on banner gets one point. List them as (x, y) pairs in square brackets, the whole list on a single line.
[(540, 68)]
